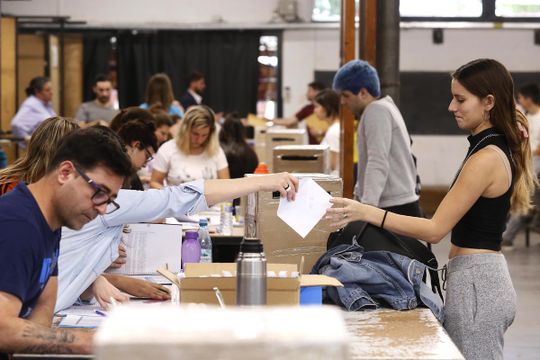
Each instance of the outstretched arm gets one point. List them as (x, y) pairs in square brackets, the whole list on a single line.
[(217, 191), (477, 178)]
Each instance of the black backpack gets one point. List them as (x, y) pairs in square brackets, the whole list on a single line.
[(373, 238)]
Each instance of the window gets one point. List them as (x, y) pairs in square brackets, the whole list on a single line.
[(440, 8), (267, 95), (327, 10), (517, 8), (448, 10)]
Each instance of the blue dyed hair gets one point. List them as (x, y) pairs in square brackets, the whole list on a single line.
[(355, 75)]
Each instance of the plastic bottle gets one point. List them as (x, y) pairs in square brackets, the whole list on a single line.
[(251, 273), (205, 241), (226, 219), (191, 248)]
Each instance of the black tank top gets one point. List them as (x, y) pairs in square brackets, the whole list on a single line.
[(482, 226)]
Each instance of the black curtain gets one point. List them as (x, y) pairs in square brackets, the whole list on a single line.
[(228, 59), (97, 54)]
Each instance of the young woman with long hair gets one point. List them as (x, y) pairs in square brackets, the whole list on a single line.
[(496, 177)]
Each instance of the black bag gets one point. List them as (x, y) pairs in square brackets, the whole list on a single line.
[(373, 238)]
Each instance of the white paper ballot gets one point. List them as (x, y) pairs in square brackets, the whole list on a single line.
[(149, 247), (307, 209)]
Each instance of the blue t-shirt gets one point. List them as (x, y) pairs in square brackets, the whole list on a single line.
[(28, 248), (173, 110)]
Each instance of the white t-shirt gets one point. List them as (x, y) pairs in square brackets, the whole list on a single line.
[(534, 129), (331, 138), (181, 168)]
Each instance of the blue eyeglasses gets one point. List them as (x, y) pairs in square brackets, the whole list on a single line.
[(101, 195)]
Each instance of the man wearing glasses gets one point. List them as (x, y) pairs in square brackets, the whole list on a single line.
[(81, 183)]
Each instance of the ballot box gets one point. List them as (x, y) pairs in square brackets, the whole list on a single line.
[(278, 137), (302, 159), (281, 243)]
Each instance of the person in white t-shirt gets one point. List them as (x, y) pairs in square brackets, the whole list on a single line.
[(193, 154), (326, 107)]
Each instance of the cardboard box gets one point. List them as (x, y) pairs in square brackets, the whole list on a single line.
[(302, 159), (200, 279), (277, 137), (282, 245), (234, 333)]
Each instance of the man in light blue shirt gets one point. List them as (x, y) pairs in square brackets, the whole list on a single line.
[(86, 253), (36, 108)]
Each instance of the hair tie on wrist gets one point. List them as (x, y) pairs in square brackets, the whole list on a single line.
[(383, 219)]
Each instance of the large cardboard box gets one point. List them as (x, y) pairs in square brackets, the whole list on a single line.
[(302, 159), (282, 244), (201, 278), (234, 333), (276, 137)]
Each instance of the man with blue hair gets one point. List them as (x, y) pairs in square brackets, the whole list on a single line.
[(387, 175)]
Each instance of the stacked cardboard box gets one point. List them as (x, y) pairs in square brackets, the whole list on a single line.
[(302, 159), (276, 137)]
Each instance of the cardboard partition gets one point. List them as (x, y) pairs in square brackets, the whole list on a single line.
[(281, 243), (200, 279), (302, 159)]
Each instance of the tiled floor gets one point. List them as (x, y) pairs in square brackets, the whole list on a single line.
[(522, 340)]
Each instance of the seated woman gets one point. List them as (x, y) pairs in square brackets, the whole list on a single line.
[(136, 127), (32, 167), (241, 157), (40, 151), (159, 93), (193, 154), (326, 107)]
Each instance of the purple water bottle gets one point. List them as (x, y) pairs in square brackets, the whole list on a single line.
[(191, 248)]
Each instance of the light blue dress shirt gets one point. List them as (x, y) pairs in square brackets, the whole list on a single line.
[(87, 253), (31, 113)]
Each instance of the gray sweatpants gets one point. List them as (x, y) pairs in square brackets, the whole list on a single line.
[(480, 304)]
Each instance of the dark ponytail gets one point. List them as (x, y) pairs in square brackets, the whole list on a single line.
[(36, 85)]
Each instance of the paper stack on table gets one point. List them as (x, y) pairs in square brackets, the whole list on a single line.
[(307, 209)]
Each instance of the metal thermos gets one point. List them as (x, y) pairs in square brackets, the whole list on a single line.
[(251, 273)]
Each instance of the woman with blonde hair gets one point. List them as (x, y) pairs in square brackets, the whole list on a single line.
[(193, 154), (496, 177), (39, 153), (159, 92)]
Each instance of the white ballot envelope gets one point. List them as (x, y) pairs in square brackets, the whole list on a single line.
[(307, 209)]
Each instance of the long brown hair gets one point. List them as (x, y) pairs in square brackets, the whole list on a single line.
[(159, 91), (483, 77), (40, 151)]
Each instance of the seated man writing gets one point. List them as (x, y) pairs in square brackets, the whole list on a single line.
[(81, 182)]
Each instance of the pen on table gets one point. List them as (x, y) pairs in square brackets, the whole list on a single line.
[(101, 313)]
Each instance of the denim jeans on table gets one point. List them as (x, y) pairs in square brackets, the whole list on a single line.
[(376, 278)]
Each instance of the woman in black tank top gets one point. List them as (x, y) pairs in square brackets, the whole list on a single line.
[(496, 177)]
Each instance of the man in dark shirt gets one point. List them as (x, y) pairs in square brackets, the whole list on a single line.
[(193, 95), (81, 182)]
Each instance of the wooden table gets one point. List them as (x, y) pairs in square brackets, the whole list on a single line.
[(391, 334), (379, 334)]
